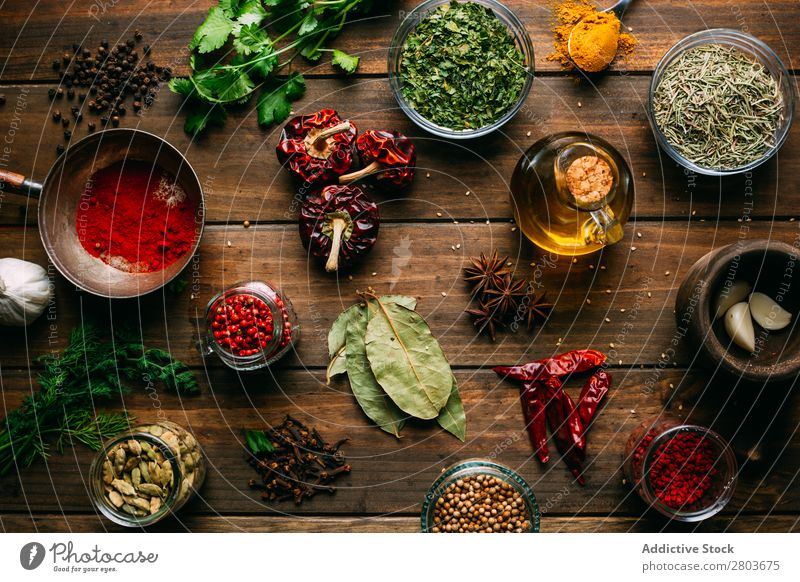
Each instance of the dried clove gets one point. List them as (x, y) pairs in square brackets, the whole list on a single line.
[(294, 462)]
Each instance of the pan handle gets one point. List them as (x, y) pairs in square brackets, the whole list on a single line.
[(19, 184)]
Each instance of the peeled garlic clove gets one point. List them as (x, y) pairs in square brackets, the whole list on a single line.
[(730, 296), (767, 313), (739, 326)]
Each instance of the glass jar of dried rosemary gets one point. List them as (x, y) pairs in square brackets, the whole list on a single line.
[(721, 102)]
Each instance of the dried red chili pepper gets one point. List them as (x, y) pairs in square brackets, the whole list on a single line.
[(573, 362), (388, 157), (339, 224), (532, 397), (558, 417), (592, 393), (317, 148)]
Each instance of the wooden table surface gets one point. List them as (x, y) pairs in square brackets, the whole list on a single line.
[(631, 285)]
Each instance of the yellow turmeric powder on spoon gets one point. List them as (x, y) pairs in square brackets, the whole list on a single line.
[(597, 40)]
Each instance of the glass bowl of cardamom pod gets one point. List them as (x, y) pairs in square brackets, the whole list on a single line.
[(721, 102), (143, 475), (461, 69)]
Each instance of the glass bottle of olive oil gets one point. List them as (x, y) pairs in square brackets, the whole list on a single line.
[(572, 193)]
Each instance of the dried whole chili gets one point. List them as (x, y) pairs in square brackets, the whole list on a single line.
[(533, 398), (339, 224), (387, 157), (573, 362), (592, 393), (558, 414), (136, 217), (545, 402), (317, 148)]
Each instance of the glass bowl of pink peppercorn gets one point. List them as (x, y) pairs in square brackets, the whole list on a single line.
[(250, 326)]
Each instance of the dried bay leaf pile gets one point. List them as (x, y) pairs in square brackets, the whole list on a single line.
[(397, 369)]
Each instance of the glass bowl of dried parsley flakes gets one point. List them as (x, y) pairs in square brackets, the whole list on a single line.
[(721, 102), (461, 70)]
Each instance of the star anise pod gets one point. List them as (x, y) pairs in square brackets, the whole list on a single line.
[(536, 308), (486, 321), (505, 298), (486, 273)]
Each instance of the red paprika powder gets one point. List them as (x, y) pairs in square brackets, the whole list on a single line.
[(136, 217)]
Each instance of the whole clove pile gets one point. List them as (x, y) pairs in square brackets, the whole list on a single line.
[(294, 461), (103, 80)]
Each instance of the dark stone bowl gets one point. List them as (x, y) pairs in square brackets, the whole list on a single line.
[(769, 266)]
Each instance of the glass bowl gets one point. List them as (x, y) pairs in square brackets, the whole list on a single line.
[(286, 330), (641, 452), (514, 26), (474, 467), (177, 448), (757, 50)]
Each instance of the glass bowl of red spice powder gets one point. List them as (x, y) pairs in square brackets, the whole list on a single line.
[(250, 326), (683, 471)]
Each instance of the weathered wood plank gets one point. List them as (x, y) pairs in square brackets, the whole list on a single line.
[(34, 35), (243, 180), (391, 477), (617, 280), (56, 523)]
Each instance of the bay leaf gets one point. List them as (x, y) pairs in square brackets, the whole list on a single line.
[(369, 394), (337, 349), (406, 359), (452, 417)]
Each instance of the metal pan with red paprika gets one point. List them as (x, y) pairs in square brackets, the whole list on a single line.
[(69, 187)]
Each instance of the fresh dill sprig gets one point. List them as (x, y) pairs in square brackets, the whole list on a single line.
[(73, 384)]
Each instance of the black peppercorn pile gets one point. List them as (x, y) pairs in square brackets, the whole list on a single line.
[(481, 504), (103, 82), (294, 462)]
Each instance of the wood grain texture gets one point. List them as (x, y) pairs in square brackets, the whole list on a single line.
[(57, 523), (616, 282), (390, 477), (243, 179), (38, 35)]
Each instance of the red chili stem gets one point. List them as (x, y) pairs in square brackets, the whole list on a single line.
[(362, 173), (319, 139), (339, 224)]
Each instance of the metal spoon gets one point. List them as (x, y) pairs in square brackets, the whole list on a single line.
[(618, 9)]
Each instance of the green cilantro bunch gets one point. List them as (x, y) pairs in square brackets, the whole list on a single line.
[(242, 47)]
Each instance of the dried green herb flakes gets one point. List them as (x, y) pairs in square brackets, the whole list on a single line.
[(718, 107), (461, 68)]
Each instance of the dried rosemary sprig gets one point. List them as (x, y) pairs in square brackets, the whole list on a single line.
[(718, 107)]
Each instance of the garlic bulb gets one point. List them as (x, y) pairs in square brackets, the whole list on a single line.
[(24, 291), (739, 326), (767, 313), (730, 296)]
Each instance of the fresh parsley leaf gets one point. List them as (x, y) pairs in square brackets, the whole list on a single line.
[(181, 86), (251, 12), (275, 103), (223, 84), (257, 442), (309, 24), (202, 115), (230, 7), (251, 38), (214, 31), (348, 63)]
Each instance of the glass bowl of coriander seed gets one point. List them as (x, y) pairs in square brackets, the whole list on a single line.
[(721, 102), (480, 496)]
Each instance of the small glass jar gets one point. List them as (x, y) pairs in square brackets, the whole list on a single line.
[(250, 326), (683, 471), (474, 468), (147, 473)]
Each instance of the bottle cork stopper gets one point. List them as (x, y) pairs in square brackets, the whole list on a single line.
[(589, 180)]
